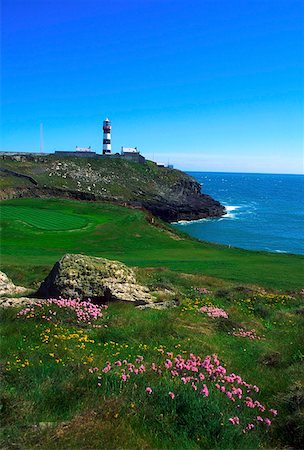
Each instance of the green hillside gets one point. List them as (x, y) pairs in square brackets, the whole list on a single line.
[(36, 233), (108, 382), (103, 176)]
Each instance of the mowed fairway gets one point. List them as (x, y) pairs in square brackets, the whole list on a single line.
[(42, 218), (35, 233)]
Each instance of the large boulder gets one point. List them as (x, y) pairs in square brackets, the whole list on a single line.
[(7, 287), (98, 279)]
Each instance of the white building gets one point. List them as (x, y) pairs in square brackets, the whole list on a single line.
[(83, 149), (128, 150)]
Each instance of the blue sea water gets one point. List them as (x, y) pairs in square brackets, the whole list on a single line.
[(265, 212)]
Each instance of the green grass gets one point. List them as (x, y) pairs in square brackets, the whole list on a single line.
[(50, 400), (42, 218), (29, 248)]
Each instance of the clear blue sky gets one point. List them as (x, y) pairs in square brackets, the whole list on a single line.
[(213, 85)]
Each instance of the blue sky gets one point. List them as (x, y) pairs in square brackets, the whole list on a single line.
[(213, 85)]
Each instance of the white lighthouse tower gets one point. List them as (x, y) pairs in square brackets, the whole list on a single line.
[(106, 143)]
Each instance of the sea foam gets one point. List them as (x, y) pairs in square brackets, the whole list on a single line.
[(230, 214)]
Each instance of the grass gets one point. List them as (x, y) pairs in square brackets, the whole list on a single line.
[(51, 400), (42, 218), (124, 234)]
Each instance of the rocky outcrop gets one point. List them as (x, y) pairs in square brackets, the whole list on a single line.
[(7, 287), (98, 279), (169, 194), (160, 305), (187, 204), (16, 302)]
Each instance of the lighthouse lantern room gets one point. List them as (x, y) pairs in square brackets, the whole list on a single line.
[(106, 144)]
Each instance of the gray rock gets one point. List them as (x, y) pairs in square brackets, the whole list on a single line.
[(98, 279), (160, 305), (14, 302), (7, 287)]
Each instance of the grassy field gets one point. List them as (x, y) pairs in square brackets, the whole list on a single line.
[(114, 382), (57, 392), (42, 218), (36, 233)]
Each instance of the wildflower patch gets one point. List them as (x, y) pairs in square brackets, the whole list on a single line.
[(61, 310), (203, 377), (213, 311), (250, 334)]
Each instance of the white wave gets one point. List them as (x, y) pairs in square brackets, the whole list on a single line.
[(231, 208), (188, 222), (281, 251)]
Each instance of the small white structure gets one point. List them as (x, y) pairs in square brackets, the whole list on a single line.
[(128, 150), (106, 143), (83, 149), (160, 164)]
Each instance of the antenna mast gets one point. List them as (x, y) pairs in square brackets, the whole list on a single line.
[(41, 137)]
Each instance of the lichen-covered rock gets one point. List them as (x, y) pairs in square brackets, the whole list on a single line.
[(160, 305), (16, 302), (8, 288), (98, 279)]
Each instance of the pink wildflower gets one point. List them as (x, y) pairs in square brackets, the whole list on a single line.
[(168, 364), (205, 391), (213, 311), (149, 390), (234, 420), (172, 395)]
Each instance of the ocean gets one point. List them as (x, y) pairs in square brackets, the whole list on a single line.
[(265, 212)]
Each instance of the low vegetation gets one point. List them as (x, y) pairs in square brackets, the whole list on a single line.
[(223, 369), (32, 241), (178, 378), (102, 176)]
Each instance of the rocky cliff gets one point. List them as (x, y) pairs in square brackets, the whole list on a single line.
[(169, 194)]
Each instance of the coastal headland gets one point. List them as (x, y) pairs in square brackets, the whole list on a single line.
[(169, 194)]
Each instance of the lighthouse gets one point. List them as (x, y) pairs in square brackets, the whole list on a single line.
[(106, 143)]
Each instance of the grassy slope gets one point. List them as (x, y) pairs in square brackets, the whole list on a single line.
[(105, 177), (50, 400), (123, 234)]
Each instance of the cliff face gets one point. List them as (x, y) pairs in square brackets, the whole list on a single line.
[(184, 201), (169, 194)]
